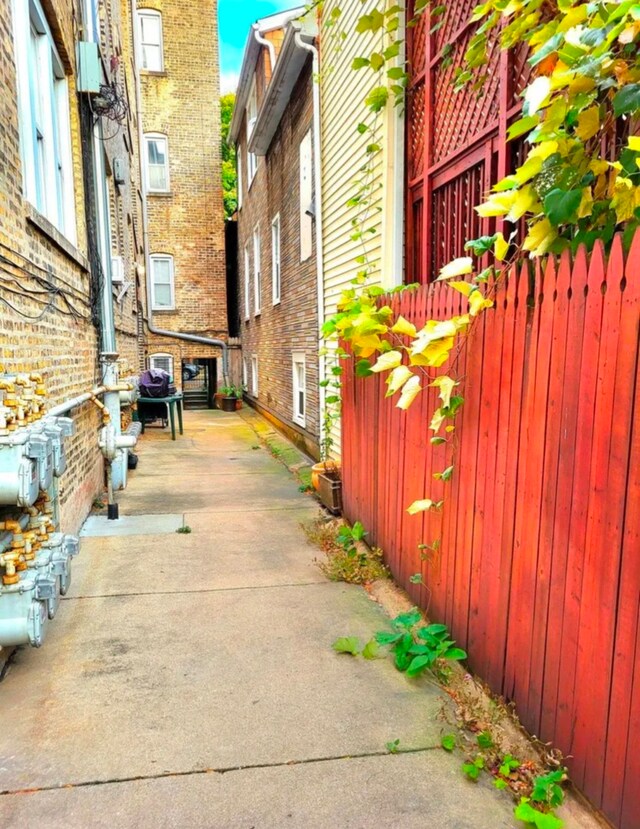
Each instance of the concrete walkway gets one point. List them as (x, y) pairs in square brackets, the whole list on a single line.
[(189, 681)]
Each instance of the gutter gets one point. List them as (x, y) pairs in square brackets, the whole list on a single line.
[(160, 332), (317, 159), (264, 42)]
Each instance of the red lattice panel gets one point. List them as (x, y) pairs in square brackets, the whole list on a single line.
[(418, 46), (520, 72), (417, 126), (456, 15), (453, 218), (460, 116)]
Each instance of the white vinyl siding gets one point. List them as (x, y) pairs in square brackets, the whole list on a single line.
[(252, 117), (254, 375), (299, 389), (150, 34), (247, 283), (162, 362), (162, 282), (43, 107), (257, 275), (275, 260), (306, 197), (157, 163)]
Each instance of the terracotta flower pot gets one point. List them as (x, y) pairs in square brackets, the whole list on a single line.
[(319, 468)]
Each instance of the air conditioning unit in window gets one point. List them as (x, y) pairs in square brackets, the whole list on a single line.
[(117, 270), (89, 69)]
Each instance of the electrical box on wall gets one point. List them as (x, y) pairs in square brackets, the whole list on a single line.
[(119, 171), (89, 69)]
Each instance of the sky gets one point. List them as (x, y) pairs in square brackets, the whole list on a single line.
[(235, 18)]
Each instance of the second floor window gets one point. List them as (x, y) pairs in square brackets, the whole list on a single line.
[(257, 287), (157, 163), (275, 259), (43, 107), (162, 282), (252, 117), (150, 33), (247, 283)]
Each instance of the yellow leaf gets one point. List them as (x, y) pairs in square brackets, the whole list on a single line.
[(540, 238), (501, 248), (478, 303), (420, 506), (537, 93), (598, 166), (524, 202), (634, 143), (457, 267), (446, 386), (572, 17), (435, 354), (404, 327), (588, 123), (528, 170), (437, 420), (397, 379), (409, 392), (498, 204), (462, 287), (386, 362), (543, 150), (586, 203), (626, 198)]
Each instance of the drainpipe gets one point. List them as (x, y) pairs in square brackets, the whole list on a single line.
[(264, 42), (317, 160), (160, 332)]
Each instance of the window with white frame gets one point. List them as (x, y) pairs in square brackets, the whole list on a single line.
[(162, 362), (306, 197), (239, 172), (247, 282), (43, 106), (162, 282), (157, 163), (254, 375), (117, 269), (150, 34), (299, 388), (275, 259), (252, 117), (245, 378), (91, 21), (257, 277)]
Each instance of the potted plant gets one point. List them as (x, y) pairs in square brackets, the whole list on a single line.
[(230, 398), (329, 487)]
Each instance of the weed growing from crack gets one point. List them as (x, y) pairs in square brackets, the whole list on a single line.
[(347, 557)]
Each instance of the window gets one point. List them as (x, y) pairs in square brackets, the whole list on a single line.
[(117, 269), (91, 21), (150, 33), (306, 197), (162, 362), (254, 374), (157, 163), (239, 169), (43, 106), (247, 283), (299, 388), (275, 259), (252, 117), (244, 373), (162, 282), (257, 288)]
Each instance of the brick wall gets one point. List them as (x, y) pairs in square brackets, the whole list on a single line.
[(291, 326), (62, 342), (188, 223)]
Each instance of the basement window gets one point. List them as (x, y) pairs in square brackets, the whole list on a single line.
[(150, 33), (43, 113), (299, 388), (162, 362)]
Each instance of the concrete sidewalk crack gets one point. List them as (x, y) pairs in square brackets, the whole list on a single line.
[(222, 770), (189, 592)]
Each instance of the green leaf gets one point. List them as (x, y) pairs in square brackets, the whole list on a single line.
[(499, 783), (385, 638), (455, 653), (392, 51), (377, 61), (409, 619), (432, 630), (396, 73), (482, 245), (416, 578), (547, 49), (347, 644), (360, 63), (371, 650), (377, 99), (541, 820), (627, 100), (448, 742), (472, 770), (393, 747), (485, 741), (418, 665), (521, 126), (437, 441), (561, 206), (363, 368)]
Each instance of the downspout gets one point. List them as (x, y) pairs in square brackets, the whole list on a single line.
[(159, 332), (317, 160), (264, 42)]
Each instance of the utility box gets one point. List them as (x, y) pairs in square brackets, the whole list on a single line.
[(89, 69)]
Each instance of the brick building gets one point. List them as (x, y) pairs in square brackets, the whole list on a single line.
[(182, 194), (273, 129), (68, 211)]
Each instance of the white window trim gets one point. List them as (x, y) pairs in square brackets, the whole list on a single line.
[(117, 269), (276, 259), (252, 117), (255, 388), (247, 282), (164, 356), (245, 374), (155, 136), (172, 282), (257, 274), (151, 13), (299, 358), (45, 145), (239, 172), (91, 21)]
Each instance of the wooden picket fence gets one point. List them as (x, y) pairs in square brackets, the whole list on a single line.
[(538, 571)]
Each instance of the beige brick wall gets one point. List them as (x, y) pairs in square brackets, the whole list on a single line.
[(188, 223)]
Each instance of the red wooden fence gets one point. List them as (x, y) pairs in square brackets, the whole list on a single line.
[(538, 574)]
